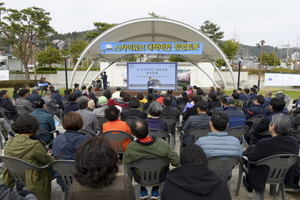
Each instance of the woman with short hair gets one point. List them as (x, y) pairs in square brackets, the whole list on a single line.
[(31, 151), (96, 173)]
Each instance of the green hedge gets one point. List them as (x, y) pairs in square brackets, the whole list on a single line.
[(47, 69), (18, 83), (40, 72)]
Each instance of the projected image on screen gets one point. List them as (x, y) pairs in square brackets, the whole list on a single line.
[(163, 74)]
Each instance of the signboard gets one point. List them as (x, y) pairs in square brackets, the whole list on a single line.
[(163, 74), (274, 79), (151, 47), (4, 75)]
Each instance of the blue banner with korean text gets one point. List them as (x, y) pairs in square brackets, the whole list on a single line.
[(151, 47)]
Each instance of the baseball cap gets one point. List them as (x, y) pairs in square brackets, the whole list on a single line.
[(102, 100), (57, 90), (35, 88), (163, 93), (229, 100)]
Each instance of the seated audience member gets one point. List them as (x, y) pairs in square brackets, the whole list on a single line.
[(72, 106), (193, 180), (218, 142), (268, 97), (93, 96), (193, 110), (46, 120), (134, 104), (256, 88), (189, 104), (184, 88), (253, 93), (162, 96), (32, 151), (96, 173), (154, 122), (279, 143), (148, 146), (141, 98), (16, 93), (51, 107), (149, 101), (57, 97), (67, 95), (84, 91), (6, 193), (120, 99), (22, 104), (116, 94), (183, 99), (282, 96), (90, 121), (213, 102), (102, 103), (34, 94), (76, 90), (276, 106), (201, 93), (199, 120), (170, 92), (190, 90), (112, 114), (6, 129), (169, 111), (155, 95), (126, 99), (237, 101), (257, 108), (236, 117), (212, 90), (110, 101), (246, 93), (242, 97), (65, 144)]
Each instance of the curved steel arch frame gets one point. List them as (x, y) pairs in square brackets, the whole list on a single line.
[(194, 62)]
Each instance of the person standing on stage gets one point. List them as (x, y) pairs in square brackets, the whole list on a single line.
[(151, 84), (104, 80)]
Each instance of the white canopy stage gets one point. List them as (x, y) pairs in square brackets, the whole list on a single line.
[(153, 30)]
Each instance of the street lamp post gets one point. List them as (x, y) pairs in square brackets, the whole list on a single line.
[(261, 46)]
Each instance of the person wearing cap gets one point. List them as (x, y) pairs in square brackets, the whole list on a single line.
[(194, 180), (104, 80), (102, 103), (57, 97), (22, 104), (236, 117), (34, 94), (72, 106), (116, 94), (162, 96), (218, 142)]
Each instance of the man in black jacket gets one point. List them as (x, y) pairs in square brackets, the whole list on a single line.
[(6, 103)]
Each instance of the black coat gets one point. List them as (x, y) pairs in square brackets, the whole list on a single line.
[(194, 182), (134, 112), (280, 144)]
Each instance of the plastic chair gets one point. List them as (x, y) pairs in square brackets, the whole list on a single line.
[(17, 167), (255, 121), (101, 121), (197, 132), (116, 139), (237, 131), (171, 122), (160, 134), (149, 169), (129, 119), (223, 165), (87, 132), (66, 169), (279, 165)]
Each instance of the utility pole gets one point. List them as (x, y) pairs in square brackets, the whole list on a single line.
[(261, 46)]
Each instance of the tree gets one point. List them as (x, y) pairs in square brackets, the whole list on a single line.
[(76, 48), (269, 58), (154, 15), (173, 58), (49, 56), (23, 29), (100, 28), (212, 31), (229, 47)]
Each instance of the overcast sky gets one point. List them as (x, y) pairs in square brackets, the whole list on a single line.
[(275, 21)]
